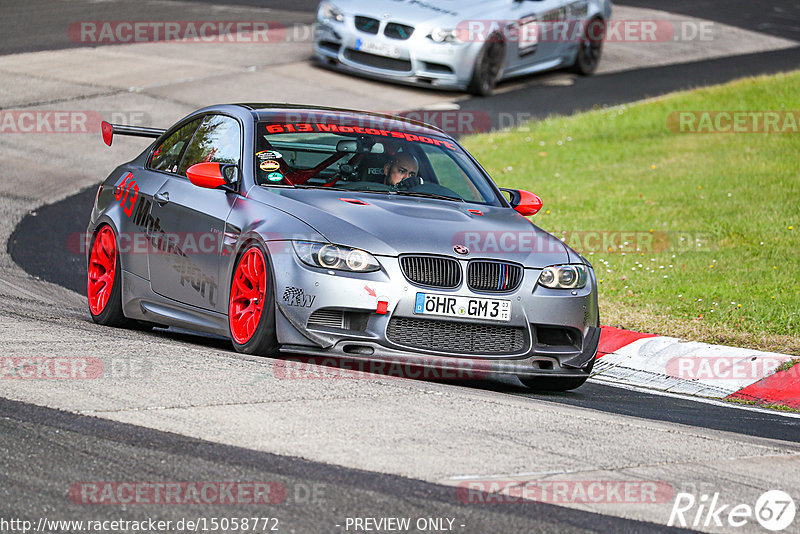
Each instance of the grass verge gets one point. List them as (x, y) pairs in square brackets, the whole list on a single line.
[(691, 235)]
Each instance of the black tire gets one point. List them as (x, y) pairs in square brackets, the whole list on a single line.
[(111, 314), (264, 341), (488, 66), (552, 383), (590, 49)]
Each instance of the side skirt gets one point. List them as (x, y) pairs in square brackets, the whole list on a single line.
[(141, 303)]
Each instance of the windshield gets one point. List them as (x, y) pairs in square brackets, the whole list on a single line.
[(367, 159)]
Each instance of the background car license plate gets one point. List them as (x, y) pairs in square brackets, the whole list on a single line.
[(467, 307), (377, 48)]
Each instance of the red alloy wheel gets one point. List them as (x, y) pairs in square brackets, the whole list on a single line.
[(248, 293), (102, 268)]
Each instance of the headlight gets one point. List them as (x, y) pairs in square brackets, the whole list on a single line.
[(328, 256), (441, 35), (564, 276), (328, 11)]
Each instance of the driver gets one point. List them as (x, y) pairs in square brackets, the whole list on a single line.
[(402, 168)]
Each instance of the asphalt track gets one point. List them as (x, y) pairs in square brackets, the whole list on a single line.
[(49, 18), (615, 89), (47, 451), (776, 17), (57, 228)]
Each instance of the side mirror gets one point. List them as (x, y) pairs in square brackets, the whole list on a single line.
[(525, 202), (210, 175)]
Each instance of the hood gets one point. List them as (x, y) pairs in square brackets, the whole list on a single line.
[(389, 225), (414, 12)]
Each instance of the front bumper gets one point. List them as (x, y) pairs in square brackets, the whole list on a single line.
[(418, 61), (330, 313)]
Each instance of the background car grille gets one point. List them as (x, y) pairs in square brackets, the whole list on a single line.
[(398, 31), (330, 46), (456, 337), (431, 271), (367, 24), (493, 276), (379, 62)]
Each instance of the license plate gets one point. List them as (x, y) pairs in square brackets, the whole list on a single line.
[(380, 49), (465, 307)]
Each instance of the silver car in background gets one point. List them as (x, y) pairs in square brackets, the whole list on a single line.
[(467, 45)]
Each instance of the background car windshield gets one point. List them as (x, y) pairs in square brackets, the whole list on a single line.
[(358, 159)]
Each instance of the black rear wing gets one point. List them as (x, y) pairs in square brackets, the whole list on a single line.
[(109, 130)]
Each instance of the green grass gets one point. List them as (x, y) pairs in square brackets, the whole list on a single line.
[(622, 169)]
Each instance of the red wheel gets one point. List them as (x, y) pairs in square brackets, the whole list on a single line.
[(102, 268), (103, 282), (250, 310)]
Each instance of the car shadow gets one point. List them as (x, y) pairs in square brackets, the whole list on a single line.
[(298, 366)]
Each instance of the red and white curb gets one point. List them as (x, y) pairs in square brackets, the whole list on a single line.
[(691, 368)]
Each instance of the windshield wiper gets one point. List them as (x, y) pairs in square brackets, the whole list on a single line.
[(380, 192), (329, 188), (426, 195)]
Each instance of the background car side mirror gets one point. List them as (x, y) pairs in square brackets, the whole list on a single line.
[(525, 202), (211, 175)]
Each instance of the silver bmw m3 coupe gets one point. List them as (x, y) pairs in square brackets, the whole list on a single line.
[(324, 232), (465, 45)]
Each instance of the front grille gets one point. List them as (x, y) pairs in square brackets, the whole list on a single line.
[(431, 271), (398, 31), (456, 337), (367, 25), (494, 276), (379, 62)]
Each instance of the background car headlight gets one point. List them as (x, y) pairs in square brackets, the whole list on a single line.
[(442, 35), (328, 11), (564, 276), (328, 256)]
